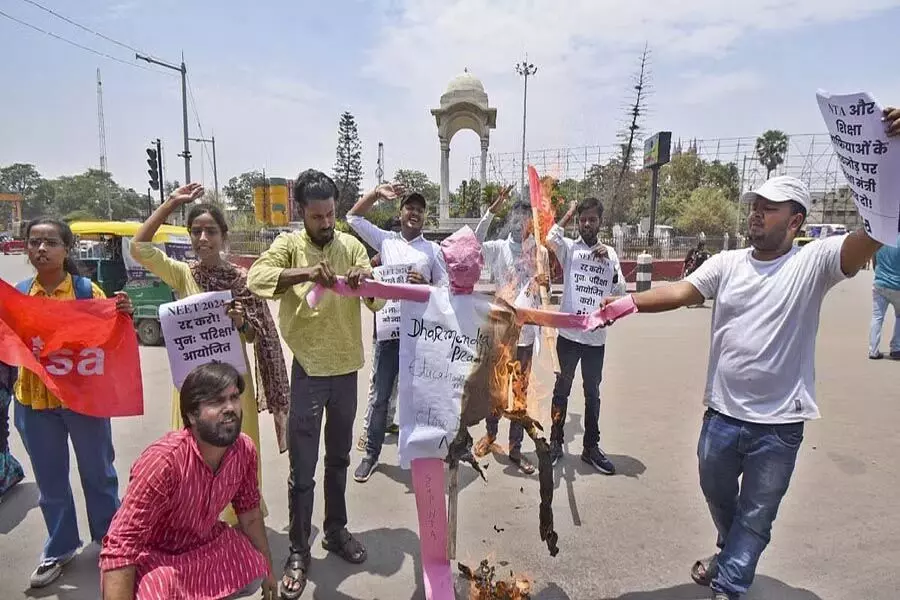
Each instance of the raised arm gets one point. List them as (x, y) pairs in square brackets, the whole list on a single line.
[(368, 231), (183, 195), (856, 251), (564, 222)]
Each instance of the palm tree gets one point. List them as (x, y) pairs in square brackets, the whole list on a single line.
[(770, 148)]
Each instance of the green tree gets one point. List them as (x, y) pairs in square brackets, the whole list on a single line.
[(239, 190), (348, 163), (467, 201), (723, 176), (771, 147), (708, 211), (25, 180), (85, 194)]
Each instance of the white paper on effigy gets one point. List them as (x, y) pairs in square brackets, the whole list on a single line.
[(198, 331), (439, 342), (387, 320), (869, 159)]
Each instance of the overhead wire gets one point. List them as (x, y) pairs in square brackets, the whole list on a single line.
[(76, 44), (82, 27)]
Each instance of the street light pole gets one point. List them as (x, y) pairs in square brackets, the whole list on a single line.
[(524, 69), (186, 153), (212, 140)]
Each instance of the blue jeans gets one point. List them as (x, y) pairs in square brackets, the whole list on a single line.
[(881, 298), (387, 367), (45, 435), (762, 457), (591, 358), (524, 355)]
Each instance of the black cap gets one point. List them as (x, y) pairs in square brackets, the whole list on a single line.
[(413, 197)]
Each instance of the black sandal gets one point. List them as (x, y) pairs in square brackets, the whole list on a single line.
[(295, 574), (704, 571), (347, 547)]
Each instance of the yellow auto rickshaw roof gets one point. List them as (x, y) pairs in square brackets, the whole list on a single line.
[(125, 229)]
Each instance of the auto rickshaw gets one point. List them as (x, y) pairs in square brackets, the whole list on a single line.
[(104, 250)]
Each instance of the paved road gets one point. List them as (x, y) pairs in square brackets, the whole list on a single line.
[(628, 537)]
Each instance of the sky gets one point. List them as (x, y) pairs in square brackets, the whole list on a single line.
[(270, 79)]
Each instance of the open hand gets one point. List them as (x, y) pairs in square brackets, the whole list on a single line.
[(123, 304), (187, 194), (323, 274), (356, 275), (390, 191), (497, 204)]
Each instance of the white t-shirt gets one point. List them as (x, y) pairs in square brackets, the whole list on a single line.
[(586, 282), (512, 266), (764, 324), (422, 255)]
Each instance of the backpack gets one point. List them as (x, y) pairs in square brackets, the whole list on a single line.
[(84, 290)]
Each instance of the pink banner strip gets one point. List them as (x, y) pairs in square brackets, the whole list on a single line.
[(428, 485), (420, 293), (371, 288)]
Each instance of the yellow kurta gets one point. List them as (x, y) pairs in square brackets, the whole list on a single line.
[(178, 276)]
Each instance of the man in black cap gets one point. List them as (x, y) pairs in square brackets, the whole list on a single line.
[(423, 264)]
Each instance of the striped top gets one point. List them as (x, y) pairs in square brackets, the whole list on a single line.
[(168, 527)]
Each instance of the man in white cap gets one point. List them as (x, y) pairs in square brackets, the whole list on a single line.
[(760, 386)]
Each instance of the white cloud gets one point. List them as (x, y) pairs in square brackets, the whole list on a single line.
[(702, 89)]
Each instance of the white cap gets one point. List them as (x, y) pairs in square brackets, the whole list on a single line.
[(781, 189)]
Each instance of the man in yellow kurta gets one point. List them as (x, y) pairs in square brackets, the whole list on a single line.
[(327, 345)]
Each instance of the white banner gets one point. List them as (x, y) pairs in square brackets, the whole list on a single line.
[(198, 331), (439, 344), (387, 320), (869, 159)]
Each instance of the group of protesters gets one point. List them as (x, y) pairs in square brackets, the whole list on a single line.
[(759, 392)]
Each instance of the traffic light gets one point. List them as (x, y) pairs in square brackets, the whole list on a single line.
[(153, 171)]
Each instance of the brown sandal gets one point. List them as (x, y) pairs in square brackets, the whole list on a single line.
[(704, 571)]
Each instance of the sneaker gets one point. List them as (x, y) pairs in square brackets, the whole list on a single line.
[(556, 452), (598, 460), (365, 469), (392, 429), (361, 442), (894, 355), (875, 355), (720, 596), (49, 571)]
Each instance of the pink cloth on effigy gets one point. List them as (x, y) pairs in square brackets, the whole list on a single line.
[(168, 526)]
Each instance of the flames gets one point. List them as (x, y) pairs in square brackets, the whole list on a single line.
[(541, 200)]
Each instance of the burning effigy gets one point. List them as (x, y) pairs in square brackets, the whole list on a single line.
[(458, 366)]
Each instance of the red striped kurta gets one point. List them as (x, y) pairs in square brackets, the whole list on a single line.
[(168, 527)]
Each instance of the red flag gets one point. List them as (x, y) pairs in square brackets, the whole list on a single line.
[(540, 200), (84, 351)]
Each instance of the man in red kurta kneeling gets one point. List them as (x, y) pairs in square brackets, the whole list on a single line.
[(166, 540)]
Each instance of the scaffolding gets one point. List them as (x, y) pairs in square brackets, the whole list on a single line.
[(810, 158)]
